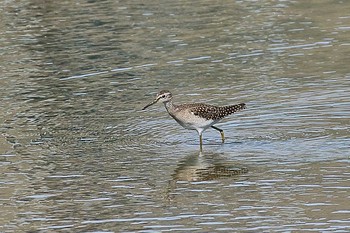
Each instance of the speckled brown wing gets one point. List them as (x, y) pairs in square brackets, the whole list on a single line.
[(211, 112)]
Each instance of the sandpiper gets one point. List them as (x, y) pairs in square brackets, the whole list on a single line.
[(196, 116)]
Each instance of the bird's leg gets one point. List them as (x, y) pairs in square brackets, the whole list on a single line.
[(200, 143), (221, 132)]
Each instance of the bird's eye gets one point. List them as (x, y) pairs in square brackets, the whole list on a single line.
[(163, 96)]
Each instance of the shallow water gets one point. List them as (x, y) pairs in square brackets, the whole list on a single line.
[(78, 154)]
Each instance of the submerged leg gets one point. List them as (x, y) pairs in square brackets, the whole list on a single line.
[(200, 143), (221, 132)]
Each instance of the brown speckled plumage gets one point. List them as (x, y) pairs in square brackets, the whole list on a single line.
[(210, 112), (197, 116)]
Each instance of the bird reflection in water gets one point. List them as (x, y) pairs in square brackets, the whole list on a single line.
[(208, 167)]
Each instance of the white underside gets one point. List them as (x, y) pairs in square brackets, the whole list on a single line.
[(199, 125)]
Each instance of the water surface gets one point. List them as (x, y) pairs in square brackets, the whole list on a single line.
[(77, 153)]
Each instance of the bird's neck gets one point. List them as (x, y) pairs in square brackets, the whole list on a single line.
[(170, 107)]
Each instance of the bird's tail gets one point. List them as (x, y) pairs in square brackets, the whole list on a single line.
[(230, 109)]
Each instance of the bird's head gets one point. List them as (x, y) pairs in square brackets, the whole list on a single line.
[(162, 96)]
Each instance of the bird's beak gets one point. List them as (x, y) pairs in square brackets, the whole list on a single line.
[(150, 104)]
